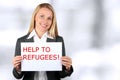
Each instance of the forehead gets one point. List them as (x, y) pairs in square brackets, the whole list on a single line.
[(45, 11)]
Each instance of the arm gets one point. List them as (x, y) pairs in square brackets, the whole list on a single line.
[(17, 61), (65, 71)]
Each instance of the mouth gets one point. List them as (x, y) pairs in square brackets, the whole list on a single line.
[(43, 25)]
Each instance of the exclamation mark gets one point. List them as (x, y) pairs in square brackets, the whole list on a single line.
[(58, 57)]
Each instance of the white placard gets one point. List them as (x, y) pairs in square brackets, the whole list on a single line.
[(41, 57)]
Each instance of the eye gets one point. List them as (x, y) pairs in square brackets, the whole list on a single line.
[(41, 16), (49, 18)]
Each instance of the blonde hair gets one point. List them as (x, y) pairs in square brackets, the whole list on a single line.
[(53, 31)]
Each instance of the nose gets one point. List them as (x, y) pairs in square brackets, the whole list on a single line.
[(45, 21)]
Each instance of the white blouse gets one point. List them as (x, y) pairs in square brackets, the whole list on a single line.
[(39, 75)]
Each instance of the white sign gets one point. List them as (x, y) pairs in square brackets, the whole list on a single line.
[(41, 57)]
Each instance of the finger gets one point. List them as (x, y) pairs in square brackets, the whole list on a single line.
[(66, 59), (16, 64), (17, 60), (66, 64)]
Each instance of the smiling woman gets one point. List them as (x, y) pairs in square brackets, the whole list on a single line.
[(43, 28), (43, 21)]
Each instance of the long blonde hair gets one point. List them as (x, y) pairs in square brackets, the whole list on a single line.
[(53, 31)]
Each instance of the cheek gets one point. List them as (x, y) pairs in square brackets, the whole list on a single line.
[(37, 19), (50, 23)]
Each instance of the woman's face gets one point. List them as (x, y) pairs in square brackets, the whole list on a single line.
[(43, 19)]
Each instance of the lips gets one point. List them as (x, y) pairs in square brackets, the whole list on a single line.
[(43, 25)]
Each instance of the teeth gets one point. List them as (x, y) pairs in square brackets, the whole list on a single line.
[(43, 25)]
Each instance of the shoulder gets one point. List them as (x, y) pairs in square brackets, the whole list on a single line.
[(22, 38), (59, 38)]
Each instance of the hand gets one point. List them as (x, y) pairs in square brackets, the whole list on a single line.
[(17, 62), (66, 61)]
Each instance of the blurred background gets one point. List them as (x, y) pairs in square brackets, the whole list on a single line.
[(91, 31)]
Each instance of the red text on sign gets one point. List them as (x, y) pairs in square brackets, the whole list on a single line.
[(30, 49), (41, 57)]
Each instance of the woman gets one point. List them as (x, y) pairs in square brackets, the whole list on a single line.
[(43, 28)]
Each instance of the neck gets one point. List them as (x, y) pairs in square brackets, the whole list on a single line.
[(39, 33)]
